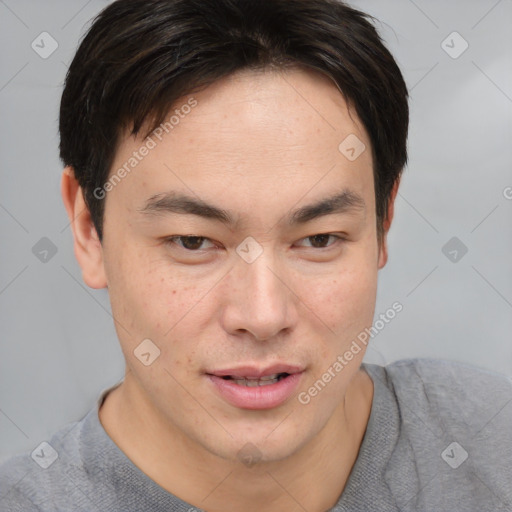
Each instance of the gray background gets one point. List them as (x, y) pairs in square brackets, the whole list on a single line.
[(57, 341)]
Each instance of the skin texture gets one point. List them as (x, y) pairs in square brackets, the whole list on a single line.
[(259, 144)]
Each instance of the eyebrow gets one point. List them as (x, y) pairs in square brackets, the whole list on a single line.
[(346, 202)]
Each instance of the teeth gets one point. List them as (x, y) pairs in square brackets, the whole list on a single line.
[(252, 382), (269, 377)]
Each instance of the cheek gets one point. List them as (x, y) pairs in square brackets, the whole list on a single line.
[(152, 299), (344, 303), (142, 292)]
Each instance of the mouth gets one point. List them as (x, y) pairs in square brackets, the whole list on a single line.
[(252, 382), (252, 388)]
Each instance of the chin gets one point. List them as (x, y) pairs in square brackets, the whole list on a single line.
[(266, 445)]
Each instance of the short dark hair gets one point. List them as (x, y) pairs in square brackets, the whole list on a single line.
[(140, 56)]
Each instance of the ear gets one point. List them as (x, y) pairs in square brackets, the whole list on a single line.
[(87, 247), (386, 224)]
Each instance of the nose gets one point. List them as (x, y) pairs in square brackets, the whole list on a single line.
[(260, 300)]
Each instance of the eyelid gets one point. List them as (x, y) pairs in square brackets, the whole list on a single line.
[(338, 240), (171, 241)]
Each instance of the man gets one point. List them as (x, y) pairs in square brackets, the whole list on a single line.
[(231, 170)]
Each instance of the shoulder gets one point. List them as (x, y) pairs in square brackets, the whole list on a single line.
[(37, 480), (451, 395), (447, 384), (442, 373), (12, 473), (454, 436)]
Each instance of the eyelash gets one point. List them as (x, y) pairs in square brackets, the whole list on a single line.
[(172, 241)]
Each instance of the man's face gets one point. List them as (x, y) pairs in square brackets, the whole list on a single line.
[(260, 147)]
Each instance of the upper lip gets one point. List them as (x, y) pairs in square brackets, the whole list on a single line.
[(253, 372)]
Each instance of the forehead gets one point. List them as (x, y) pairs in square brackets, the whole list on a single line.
[(294, 104), (254, 134)]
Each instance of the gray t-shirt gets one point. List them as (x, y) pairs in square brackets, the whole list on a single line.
[(439, 438)]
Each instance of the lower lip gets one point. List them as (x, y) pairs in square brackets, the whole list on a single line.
[(257, 397)]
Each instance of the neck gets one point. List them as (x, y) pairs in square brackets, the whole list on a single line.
[(311, 479)]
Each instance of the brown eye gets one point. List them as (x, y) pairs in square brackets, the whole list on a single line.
[(188, 242), (320, 241), (192, 242)]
